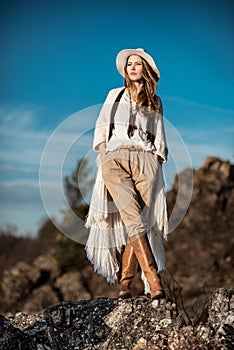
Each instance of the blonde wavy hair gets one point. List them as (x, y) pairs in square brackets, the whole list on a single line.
[(147, 98)]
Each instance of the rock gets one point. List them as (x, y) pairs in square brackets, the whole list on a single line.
[(71, 286), (97, 284), (47, 265), (12, 338), (216, 165), (23, 321), (41, 298), (114, 324), (221, 316), (220, 323), (25, 287), (200, 251), (18, 281)]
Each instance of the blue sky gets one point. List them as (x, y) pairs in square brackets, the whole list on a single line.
[(58, 58)]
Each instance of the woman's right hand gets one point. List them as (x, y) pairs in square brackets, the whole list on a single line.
[(102, 156), (102, 150)]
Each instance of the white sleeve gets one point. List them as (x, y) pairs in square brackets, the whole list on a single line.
[(102, 123), (160, 140), (160, 137)]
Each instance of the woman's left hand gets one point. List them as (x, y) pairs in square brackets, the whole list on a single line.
[(158, 158)]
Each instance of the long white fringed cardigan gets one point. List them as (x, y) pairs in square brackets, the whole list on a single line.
[(107, 232)]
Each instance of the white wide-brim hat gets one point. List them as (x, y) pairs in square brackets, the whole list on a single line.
[(122, 56)]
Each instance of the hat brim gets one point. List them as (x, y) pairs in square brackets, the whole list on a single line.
[(122, 56)]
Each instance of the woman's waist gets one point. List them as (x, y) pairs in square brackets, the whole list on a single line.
[(131, 146)]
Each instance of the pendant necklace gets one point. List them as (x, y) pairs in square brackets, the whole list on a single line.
[(132, 119)]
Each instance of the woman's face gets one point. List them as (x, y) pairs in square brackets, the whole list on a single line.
[(134, 68)]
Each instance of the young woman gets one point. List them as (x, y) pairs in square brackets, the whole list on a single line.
[(130, 137)]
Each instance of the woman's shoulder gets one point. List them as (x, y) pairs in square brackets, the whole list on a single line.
[(117, 89), (114, 92)]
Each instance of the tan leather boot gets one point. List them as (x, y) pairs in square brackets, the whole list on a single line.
[(148, 265), (129, 270)]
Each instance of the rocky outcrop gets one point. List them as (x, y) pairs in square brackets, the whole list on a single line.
[(213, 192), (131, 324), (200, 251)]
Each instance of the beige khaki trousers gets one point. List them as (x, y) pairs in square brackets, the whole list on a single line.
[(130, 175)]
